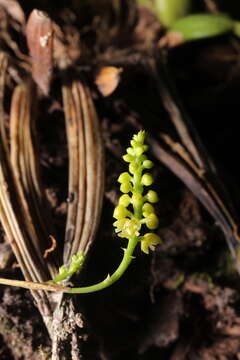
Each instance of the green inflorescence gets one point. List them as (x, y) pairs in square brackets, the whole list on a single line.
[(130, 221), (133, 213)]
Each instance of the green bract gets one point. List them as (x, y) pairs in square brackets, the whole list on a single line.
[(75, 265)]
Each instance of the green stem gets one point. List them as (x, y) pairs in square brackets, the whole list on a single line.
[(127, 258)]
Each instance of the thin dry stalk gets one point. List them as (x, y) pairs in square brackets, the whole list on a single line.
[(34, 285)]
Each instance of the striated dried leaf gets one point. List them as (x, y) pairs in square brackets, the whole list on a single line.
[(21, 202), (86, 168), (39, 33), (25, 169)]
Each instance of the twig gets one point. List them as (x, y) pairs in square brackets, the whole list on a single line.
[(32, 285)]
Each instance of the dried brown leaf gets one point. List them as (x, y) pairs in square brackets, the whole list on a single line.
[(39, 33), (86, 168)]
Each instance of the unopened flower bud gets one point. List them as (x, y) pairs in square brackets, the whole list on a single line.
[(147, 179), (120, 212), (124, 177), (147, 164), (137, 200), (139, 150), (133, 143), (125, 187), (152, 221), (124, 200), (133, 167), (147, 209), (128, 158), (130, 151), (152, 196)]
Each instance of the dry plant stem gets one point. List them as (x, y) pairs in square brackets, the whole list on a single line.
[(86, 168), (34, 285)]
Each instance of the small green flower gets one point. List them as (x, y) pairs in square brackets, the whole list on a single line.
[(130, 151), (120, 212), (127, 228), (133, 167), (124, 178), (149, 241), (147, 209), (152, 221), (137, 199), (126, 187), (128, 158), (125, 200), (147, 164)]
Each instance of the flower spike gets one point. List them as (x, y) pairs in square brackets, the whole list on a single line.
[(134, 211), (141, 212)]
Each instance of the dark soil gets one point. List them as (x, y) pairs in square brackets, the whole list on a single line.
[(182, 301)]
